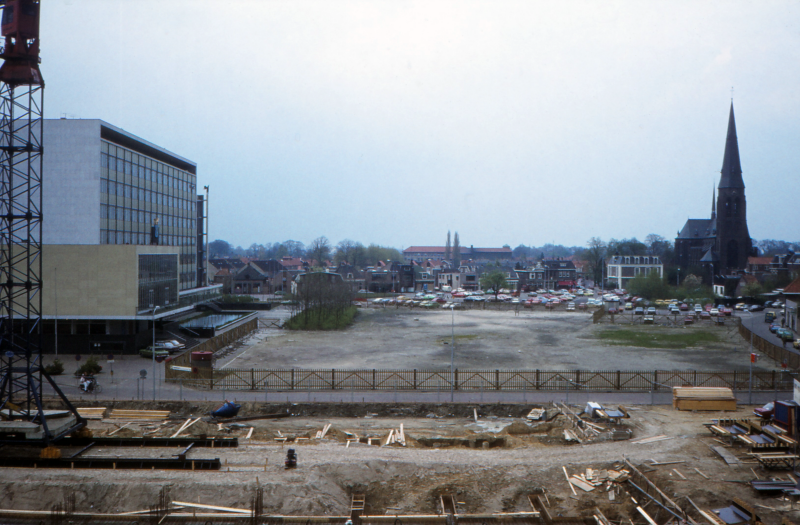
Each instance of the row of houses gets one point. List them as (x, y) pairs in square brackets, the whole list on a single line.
[(246, 276)]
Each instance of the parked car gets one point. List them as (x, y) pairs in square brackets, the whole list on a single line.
[(768, 304), (766, 411), (683, 307), (651, 310), (148, 352), (796, 343), (774, 327), (638, 311), (714, 312), (777, 304), (726, 311), (785, 335), (756, 308), (689, 319), (740, 306), (629, 306), (705, 315)]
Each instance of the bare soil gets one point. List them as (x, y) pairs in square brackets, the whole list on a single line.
[(399, 338), (444, 455)]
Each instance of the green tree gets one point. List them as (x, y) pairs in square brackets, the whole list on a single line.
[(494, 280), (650, 287), (753, 289)]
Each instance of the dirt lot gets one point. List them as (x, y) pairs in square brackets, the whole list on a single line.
[(444, 454), (400, 338)]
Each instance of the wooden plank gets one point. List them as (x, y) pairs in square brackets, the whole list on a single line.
[(568, 481), (120, 428), (581, 484), (729, 458), (698, 471), (475, 414), (646, 516), (678, 472), (325, 431), (389, 439), (186, 427), (213, 507), (250, 433)]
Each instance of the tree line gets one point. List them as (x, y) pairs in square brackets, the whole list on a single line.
[(319, 250)]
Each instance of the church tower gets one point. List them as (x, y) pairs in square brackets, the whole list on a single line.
[(733, 244)]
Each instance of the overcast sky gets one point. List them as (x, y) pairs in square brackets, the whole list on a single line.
[(392, 122)]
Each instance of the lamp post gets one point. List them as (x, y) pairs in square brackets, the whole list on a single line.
[(55, 290), (154, 352), (452, 352)]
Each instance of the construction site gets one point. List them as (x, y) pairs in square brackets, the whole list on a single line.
[(553, 418)]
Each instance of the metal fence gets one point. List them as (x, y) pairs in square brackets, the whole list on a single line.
[(785, 357), (473, 380)]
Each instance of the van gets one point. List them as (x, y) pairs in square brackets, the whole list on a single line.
[(769, 317), (447, 288)]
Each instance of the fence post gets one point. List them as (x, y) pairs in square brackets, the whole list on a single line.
[(538, 384), (774, 380), (655, 380), (333, 379), (497, 379), (252, 380), (415, 379), (455, 379), (291, 381), (619, 380), (374, 382)]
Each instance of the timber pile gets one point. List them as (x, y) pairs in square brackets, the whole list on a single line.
[(139, 415), (583, 430), (703, 398), (92, 412), (598, 479), (321, 433)]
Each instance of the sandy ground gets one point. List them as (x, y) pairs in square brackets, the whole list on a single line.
[(393, 338), (438, 459)]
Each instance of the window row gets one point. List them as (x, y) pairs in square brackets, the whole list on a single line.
[(131, 192), (144, 217), (123, 237)]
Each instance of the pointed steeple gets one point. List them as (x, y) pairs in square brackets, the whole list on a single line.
[(731, 167), (713, 203)]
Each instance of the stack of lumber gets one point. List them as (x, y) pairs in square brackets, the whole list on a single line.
[(92, 412), (703, 398), (139, 415)]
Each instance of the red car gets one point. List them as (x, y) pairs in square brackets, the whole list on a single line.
[(459, 294), (726, 311)]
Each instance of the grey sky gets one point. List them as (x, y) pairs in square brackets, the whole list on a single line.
[(392, 122)]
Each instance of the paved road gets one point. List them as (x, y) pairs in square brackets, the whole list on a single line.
[(755, 322)]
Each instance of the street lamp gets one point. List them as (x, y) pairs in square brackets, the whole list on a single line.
[(452, 352), (154, 352)]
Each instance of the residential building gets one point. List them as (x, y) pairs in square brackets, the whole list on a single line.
[(548, 274), (791, 296), (121, 237), (620, 269)]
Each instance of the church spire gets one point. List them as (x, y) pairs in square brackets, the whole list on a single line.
[(713, 203), (731, 167)]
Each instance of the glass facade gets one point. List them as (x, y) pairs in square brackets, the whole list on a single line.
[(157, 280), (135, 190)]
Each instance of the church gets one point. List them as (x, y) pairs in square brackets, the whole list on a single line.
[(722, 243)]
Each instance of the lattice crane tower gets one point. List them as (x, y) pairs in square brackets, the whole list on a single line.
[(21, 150)]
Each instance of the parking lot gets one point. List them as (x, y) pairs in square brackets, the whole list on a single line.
[(405, 338)]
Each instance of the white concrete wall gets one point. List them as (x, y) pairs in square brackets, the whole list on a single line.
[(71, 182)]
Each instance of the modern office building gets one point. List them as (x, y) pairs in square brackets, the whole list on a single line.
[(122, 237)]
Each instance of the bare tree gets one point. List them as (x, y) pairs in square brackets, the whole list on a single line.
[(320, 250), (447, 247)]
